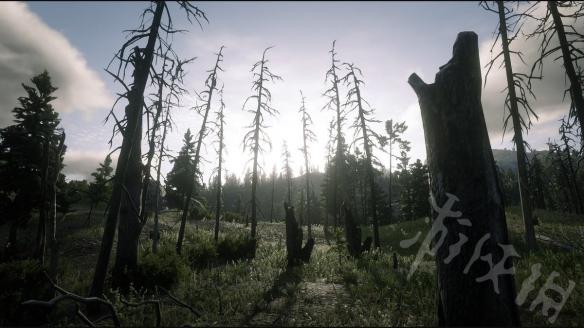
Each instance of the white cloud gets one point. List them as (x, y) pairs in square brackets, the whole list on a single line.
[(27, 47)]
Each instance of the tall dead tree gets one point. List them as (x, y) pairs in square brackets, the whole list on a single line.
[(205, 96), (307, 136), (125, 199), (273, 178), (516, 82), (221, 122), (287, 171), (553, 23), (355, 101), (461, 163), (394, 136), (257, 136), (175, 91), (334, 103)]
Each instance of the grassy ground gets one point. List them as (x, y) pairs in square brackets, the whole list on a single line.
[(332, 290)]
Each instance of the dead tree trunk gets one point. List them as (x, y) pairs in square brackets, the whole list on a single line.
[(461, 162), (295, 253), (353, 235), (524, 192), (132, 131), (575, 84)]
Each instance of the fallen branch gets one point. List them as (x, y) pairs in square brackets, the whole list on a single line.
[(179, 302), (156, 304)]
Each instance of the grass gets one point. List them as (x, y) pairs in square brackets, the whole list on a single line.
[(330, 290)]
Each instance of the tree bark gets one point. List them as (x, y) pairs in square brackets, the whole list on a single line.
[(219, 185), (460, 162), (133, 131), (575, 85)]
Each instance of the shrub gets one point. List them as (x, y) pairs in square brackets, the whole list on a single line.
[(21, 281), (200, 249), (165, 269), (236, 247), (233, 217)]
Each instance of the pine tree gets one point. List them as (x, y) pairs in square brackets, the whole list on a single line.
[(100, 189)]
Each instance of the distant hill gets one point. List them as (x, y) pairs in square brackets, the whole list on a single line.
[(507, 159)]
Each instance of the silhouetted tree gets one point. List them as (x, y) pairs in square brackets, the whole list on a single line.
[(569, 43), (257, 136), (205, 96), (221, 122), (25, 159), (99, 190), (127, 178), (287, 171), (516, 82), (355, 101), (307, 136), (334, 103), (394, 136)]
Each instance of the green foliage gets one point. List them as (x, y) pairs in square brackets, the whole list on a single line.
[(181, 174), (200, 250), (234, 247), (165, 269), (233, 217)]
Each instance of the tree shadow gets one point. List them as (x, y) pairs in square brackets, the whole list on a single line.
[(285, 285)]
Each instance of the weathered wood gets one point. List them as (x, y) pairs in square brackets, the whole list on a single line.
[(461, 163), (353, 235), (295, 253)]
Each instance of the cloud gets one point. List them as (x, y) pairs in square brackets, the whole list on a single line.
[(549, 105), (80, 164), (27, 47)]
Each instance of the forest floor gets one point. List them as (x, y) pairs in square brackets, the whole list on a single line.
[(332, 289)]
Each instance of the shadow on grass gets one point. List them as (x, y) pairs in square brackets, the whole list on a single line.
[(285, 285)]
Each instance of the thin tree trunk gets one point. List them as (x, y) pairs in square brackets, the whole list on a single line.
[(192, 189), (524, 192), (88, 220), (575, 85), (390, 186), (133, 131), (219, 184), (272, 202), (369, 168), (42, 224), (52, 193), (461, 163)]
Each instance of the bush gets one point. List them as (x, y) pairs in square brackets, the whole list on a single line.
[(200, 249), (236, 247), (233, 217), (165, 269), (21, 281)]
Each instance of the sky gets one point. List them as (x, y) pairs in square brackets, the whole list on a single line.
[(388, 41)]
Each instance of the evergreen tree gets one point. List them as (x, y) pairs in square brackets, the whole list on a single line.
[(100, 189), (178, 179)]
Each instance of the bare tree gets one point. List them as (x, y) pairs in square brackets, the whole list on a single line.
[(171, 101), (334, 103), (394, 136), (127, 178), (553, 23), (257, 136), (307, 136), (361, 125), (221, 122), (287, 170), (508, 22), (205, 96)]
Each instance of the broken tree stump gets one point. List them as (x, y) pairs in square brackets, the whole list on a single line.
[(353, 235), (295, 253), (460, 162)]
